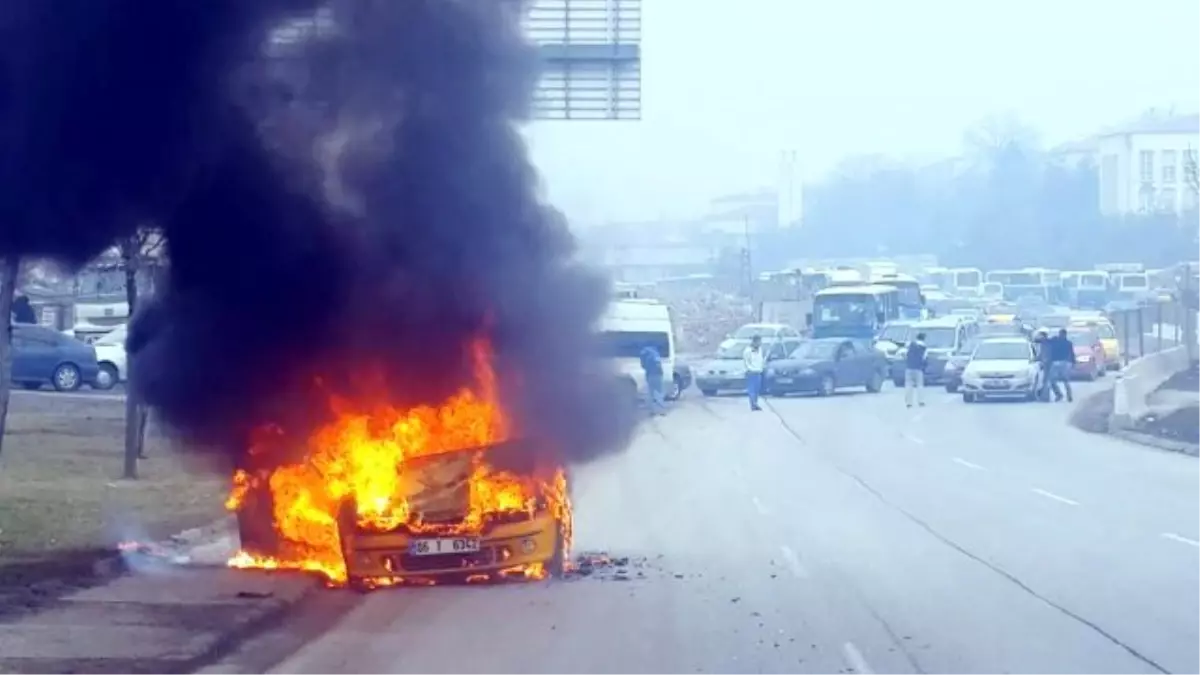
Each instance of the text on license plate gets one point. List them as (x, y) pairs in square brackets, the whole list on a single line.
[(995, 384), (442, 546), (783, 380)]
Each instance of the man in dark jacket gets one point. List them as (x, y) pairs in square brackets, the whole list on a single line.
[(1062, 360), (653, 368), (914, 371)]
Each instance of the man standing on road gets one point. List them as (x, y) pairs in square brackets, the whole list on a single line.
[(652, 367), (914, 371), (1062, 360), (1041, 352), (754, 360)]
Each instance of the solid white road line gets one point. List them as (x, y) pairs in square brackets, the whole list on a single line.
[(969, 465), (1058, 498), (760, 507), (793, 562), (1182, 540), (913, 439), (855, 660)]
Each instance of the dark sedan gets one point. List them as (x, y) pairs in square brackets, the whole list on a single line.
[(824, 365), (43, 356)]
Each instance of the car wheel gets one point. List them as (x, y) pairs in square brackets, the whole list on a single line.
[(358, 584), (968, 398), (828, 386), (709, 392), (876, 383), (951, 387), (106, 378), (66, 377), (676, 388)]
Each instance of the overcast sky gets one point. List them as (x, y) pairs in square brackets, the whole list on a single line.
[(728, 84)]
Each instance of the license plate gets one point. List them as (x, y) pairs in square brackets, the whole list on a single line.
[(995, 384), (443, 546), (783, 380)]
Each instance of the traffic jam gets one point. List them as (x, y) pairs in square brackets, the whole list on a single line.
[(982, 335)]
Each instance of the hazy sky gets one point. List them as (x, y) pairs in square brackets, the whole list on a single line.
[(728, 84)]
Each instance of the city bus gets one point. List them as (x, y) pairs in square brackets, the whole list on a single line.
[(1030, 281), (965, 281), (853, 311), (1086, 289), (908, 293)]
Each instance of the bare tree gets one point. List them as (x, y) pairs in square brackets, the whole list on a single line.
[(10, 269), (140, 257)]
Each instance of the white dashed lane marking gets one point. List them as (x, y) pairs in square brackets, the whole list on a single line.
[(855, 660), (760, 507), (793, 562), (970, 465), (1183, 540), (1058, 498)]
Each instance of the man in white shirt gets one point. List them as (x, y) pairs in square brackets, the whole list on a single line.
[(754, 360)]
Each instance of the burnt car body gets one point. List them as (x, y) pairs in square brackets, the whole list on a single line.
[(824, 365)]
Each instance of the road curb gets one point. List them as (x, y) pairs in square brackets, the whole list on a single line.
[(255, 624), (1150, 440)]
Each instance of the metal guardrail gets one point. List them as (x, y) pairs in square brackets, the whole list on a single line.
[(1153, 327)]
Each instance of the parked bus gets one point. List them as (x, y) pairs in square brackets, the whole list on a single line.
[(908, 293), (853, 311), (937, 276), (1130, 285), (1030, 281)]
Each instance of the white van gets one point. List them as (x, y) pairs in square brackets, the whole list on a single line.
[(631, 325)]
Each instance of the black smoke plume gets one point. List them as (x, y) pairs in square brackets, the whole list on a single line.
[(347, 203)]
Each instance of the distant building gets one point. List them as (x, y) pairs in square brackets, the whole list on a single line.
[(1146, 166)]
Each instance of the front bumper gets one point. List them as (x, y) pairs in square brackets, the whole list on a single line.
[(935, 371), (509, 546), (793, 384), (998, 388), (719, 383)]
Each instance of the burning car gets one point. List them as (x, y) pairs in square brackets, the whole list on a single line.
[(385, 496)]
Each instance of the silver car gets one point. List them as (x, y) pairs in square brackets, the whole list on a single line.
[(1002, 367)]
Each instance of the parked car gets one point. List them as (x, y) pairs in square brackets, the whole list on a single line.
[(956, 362), (726, 371), (110, 353), (824, 365), (943, 337), (43, 356), (681, 379)]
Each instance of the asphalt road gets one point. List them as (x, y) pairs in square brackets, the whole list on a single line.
[(847, 534)]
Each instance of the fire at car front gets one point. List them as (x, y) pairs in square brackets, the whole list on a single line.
[(383, 496)]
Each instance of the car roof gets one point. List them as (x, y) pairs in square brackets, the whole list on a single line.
[(941, 322)]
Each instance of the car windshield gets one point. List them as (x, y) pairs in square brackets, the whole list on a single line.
[(748, 331), (896, 333), (1055, 321), (114, 337), (845, 309), (815, 349), (1002, 350), (732, 349), (939, 338)]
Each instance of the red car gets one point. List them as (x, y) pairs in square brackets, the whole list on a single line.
[(1090, 358)]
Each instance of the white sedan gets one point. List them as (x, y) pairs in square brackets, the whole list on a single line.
[(1000, 367), (110, 354)]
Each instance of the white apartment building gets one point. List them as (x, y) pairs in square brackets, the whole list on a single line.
[(1149, 166)]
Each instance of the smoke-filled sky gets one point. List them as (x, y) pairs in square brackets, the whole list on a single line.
[(727, 85)]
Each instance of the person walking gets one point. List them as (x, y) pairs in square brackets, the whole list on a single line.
[(754, 360), (914, 371), (1062, 361), (1041, 352), (652, 367)]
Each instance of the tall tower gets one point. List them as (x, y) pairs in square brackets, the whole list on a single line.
[(591, 56)]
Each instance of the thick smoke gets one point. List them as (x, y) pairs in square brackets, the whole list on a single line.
[(348, 208)]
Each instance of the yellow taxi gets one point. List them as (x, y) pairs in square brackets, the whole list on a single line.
[(1108, 337)]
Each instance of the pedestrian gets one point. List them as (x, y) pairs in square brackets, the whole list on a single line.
[(914, 371), (1041, 353), (652, 367), (1062, 362), (754, 360)]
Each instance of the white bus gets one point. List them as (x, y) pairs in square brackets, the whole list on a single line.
[(631, 325), (966, 281)]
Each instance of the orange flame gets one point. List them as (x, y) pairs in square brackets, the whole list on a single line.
[(358, 458)]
